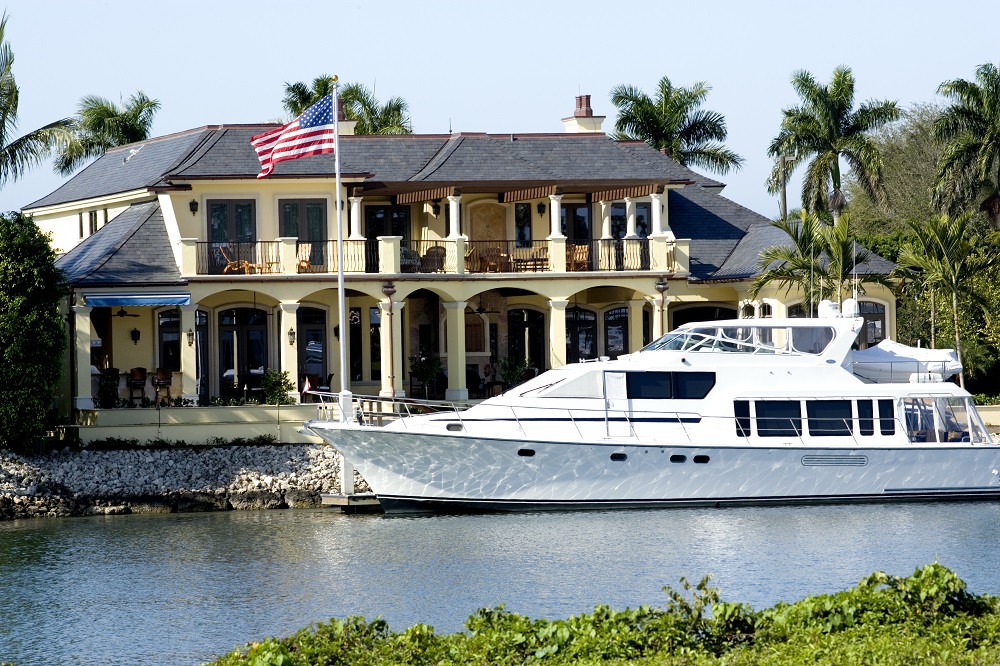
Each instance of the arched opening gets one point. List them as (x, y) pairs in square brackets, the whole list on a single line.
[(242, 351), (526, 336), (615, 332), (581, 334)]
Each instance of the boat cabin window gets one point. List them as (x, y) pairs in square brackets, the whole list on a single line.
[(666, 385), (756, 339), (741, 410), (778, 418), (942, 419), (866, 418), (886, 418), (811, 339), (830, 418)]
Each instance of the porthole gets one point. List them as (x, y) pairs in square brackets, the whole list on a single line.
[(526, 453), (619, 457), (701, 459), (677, 458), (455, 427)]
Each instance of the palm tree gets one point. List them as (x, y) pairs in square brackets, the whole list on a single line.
[(100, 125), (821, 260), (970, 127), (18, 154), (674, 123), (299, 96), (360, 104), (948, 255), (825, 128)]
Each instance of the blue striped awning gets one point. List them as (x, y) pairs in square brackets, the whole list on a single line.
[(144, 299)]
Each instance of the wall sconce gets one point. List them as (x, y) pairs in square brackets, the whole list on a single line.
[(291, 336), (193, 206), (541, 208), (135, 336), (436, 207), (190, 334), (336, 332)]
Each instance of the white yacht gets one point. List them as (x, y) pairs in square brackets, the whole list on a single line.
[(745, 411)]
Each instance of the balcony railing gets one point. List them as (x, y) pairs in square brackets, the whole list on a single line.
[(430, 257), (228, 258)]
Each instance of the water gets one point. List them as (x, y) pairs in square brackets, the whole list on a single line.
[(182, 589)]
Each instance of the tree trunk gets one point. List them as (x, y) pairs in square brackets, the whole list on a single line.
[(991, 207), (958, 342)]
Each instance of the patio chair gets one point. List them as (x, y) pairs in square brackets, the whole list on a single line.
[(578, 258), (136, 382), (493, 260), (433, 259), (232, 263), (302, 255), (162, 380)]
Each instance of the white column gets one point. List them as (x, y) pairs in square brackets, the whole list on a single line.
[(454, 216), (83, 397), (455, 327), (656, 213), (189, 362), (356, 218), (555, 216), (391, 338), (634, 325), (557, 333), (289, 354), (630, 218), (605, 219)]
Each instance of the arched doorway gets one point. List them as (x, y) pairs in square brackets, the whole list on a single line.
[(242, 351), (526, 336), (581, 334), (615, 332), (683, 316)]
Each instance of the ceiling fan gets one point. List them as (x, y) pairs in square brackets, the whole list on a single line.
[(121, 313), (481, 310)]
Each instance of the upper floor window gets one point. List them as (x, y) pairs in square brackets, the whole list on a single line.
[(304, 219), (522, 224), (232, 220), (92, 217), (170, 339), (619, 220)]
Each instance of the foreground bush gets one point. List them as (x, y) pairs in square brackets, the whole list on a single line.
[(926, 618)]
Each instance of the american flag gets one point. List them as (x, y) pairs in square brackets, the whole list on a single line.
[(312, 133)]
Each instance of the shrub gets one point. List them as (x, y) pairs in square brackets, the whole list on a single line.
[(277, 386)]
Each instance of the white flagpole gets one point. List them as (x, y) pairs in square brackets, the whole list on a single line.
[(346, 407)]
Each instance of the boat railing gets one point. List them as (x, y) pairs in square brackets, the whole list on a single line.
[(887, 372), (381, 410)]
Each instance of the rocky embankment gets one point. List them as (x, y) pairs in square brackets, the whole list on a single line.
[(73, 482)]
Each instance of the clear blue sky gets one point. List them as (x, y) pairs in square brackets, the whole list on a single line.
[(514, 66)]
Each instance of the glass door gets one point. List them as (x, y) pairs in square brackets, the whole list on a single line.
[(242, 351)]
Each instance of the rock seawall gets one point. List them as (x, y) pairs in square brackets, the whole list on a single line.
[(73, 482)]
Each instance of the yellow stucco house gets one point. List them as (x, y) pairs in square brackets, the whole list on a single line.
[(550, 248)]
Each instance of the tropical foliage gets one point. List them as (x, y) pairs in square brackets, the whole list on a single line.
[(969, 170), (824, 128), (100, 125), (32, 330), (821, 260), (360, 105), (673, 121), (946, 256), (929, 617), (20, 153), (299, 96)]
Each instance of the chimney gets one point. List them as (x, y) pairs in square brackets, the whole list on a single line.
[(583, 119), (346, 127)]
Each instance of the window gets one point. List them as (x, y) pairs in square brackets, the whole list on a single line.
[(886, 417), (581, 334), (304, 219), (619, 220), (778, 418), (866, 418), (356, 341), (80, 215), (375, 342), (169, 326), (741, 410), (92, 217), (311, 326), (648, 385), (829, 418), (874, 331), (693, 385), (522, 224), (232, 220), (575, 222)]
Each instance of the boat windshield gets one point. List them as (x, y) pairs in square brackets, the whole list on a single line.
[(944, 419), (798, 340)]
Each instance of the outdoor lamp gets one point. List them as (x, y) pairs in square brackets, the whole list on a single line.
[(436, 207), (193, 206), (135, 336), (291, 336), (661, 285), (541, 208), (190, 334)]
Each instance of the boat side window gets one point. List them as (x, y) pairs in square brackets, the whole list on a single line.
[(866, 418), (886, 418), (778, 418), (829, 418), (811, 339), (919, 413), (741, 410), (693, 385), (648, 385)]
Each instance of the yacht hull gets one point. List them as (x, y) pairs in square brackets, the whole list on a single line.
[(412, 471)]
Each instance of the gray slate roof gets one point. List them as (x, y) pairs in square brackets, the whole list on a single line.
[(131, 249), (714, 224), (125, 168)]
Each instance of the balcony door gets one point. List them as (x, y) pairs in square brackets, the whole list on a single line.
[(232, 233), (305, 219), (384, 221), (581, 334)]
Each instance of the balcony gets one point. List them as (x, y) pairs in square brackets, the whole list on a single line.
[(392, 255)]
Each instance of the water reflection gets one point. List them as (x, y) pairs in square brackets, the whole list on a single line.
[(180, 589)]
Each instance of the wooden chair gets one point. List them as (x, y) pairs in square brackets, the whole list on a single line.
[(162, 380), (233, 264), (578, 258), (136, 381), (302, 255), (493, 260)]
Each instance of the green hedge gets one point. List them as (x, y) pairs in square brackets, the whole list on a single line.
[(926, 618)]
